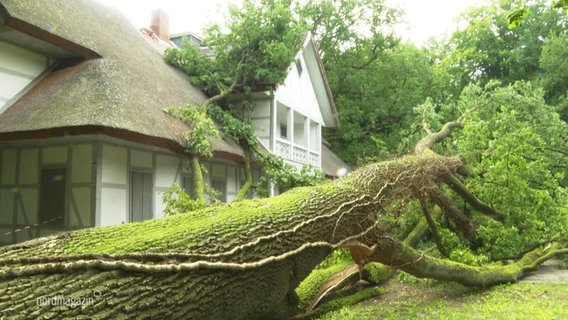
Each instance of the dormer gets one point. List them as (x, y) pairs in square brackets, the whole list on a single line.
[(27, 54)]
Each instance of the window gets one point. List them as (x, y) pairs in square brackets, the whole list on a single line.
[(283, 131), (141, 196), (52, 196), (299, 67), (221, 186)]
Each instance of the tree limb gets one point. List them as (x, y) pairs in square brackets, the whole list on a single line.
[(434, 137), (433, 228), (451, 181), (393, 252)]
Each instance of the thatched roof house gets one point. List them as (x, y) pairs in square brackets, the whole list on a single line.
[(110, 84), (84, 140)]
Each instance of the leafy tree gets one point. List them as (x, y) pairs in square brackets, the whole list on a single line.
[(486, 48), (555, 72), (197, 141), (515, 147), (260, 43), (376, 104), (516, 16)]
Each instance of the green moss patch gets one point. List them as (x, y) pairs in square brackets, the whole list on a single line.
[(308, 288)]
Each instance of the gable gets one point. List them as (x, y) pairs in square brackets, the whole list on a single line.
[(306, 89), (298, 92)]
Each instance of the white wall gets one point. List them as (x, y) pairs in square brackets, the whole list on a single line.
[(113, 201), (261, 118), (20, 166), (119, 159), (18, 68), (298, 93)]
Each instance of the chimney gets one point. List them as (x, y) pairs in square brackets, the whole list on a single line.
[(160, 24)]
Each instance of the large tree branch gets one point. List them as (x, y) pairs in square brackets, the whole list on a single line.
[(451, 181), (393, 252), (462, 222), (434, 137)]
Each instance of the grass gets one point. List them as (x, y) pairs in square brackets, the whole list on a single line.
[(453, 301)]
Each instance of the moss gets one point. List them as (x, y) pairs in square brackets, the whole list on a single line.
[(350, 300), (308, 288), (378, 272)]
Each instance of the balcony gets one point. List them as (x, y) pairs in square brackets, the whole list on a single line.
[(296, 153)]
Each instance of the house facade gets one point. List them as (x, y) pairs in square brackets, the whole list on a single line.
[(289, 122), (84, 140)]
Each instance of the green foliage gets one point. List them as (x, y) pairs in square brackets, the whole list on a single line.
[(487, 49), (286, 176), (467, 257), (262, 40), (201, 130), (515, 146), (178, 201), (240, 129), (356, 39), (376, 110), (338, 256), (555, 72)]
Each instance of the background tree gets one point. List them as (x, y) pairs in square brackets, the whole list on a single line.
[(555, 72), (375, 104), (486, 48), (197, 142), (250, 53)]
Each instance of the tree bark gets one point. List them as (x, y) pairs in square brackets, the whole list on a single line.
[(245, 188), (236, 261), (198, 184)]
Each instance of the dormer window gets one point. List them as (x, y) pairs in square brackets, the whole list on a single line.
[(19, 68), (25, 57)]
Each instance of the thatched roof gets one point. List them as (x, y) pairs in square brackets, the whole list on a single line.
[(123, 93)]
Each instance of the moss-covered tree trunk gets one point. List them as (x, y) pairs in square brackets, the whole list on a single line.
[(198, 183), (236, 261), (246, 187)]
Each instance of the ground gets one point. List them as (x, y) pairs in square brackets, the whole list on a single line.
[(541, 295)]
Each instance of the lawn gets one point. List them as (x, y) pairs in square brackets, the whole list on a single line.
[(452, 301)]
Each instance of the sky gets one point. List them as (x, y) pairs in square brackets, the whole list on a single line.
[(425, 18)]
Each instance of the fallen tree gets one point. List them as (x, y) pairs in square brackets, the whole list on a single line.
[(239, 261)]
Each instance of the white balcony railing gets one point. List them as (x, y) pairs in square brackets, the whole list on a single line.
[(296, 153)]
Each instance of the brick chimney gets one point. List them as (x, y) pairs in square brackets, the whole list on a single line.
[(160, 24)]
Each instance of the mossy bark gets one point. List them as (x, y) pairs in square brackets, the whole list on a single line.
[(198, 184), (237, 261), (391, 251), (246, 187)]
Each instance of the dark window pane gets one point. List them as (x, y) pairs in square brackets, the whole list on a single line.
[(52, 196)]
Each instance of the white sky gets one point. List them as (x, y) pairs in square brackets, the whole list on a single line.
[(424, 18)]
